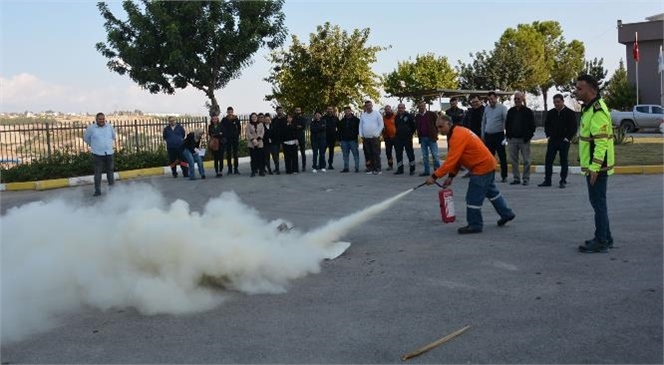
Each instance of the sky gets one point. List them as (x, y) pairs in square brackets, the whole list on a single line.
[(48, 60)]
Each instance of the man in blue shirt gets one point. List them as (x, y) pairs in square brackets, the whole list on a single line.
[(100, 136)]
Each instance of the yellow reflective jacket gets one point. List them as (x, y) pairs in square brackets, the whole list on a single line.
[(596, 138)]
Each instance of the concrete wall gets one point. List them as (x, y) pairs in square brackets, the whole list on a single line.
[(651, 35)]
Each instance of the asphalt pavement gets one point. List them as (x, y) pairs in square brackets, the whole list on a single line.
[(407, 280)]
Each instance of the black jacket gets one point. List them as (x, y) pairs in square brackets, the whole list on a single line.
[(331, 123), (231, 128), (520, 123), (279, 126), (405, 126), (560, 124), (349, 128), (473, 120), (290, 132), (456, 115), (190, 143), (269, 136), (301, 123), (317, 130)]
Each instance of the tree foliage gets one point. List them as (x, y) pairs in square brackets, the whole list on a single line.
[(333, 69), (479, 74), (620, 94), (169, 45), (426, 73), (595, 68)]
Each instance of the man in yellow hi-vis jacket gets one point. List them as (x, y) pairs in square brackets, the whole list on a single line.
[(596, 157)]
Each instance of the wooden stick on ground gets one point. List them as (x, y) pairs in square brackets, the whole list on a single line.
[(439, 342)]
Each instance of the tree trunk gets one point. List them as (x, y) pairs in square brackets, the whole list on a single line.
[(545, 94), (214, 105)]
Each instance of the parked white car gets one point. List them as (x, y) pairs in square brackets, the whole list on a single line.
[(642, 116)]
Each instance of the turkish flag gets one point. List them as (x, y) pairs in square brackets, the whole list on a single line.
[(635, 49)]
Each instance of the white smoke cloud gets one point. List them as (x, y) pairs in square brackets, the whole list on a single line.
[(132, 249)]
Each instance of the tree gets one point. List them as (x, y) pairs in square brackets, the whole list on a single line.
[(620, 94), (426, 73), (168, 45), (479, 74), (333, 69), (595, 68), (562, 60)]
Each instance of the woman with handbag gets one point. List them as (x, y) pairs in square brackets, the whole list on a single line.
[(215, 145)]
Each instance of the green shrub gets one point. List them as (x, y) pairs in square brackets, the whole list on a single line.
[(65, 163)]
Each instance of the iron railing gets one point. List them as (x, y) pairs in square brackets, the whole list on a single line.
[(25, 142)]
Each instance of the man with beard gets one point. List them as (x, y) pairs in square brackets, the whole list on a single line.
[(405, 128), (389, 133), (301, 124), (331, 121)]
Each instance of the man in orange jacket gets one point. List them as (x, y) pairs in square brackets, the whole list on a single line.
[(464, 148), (389, 133)]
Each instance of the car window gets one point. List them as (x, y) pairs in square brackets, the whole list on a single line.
[(657, 110), (642, 109)]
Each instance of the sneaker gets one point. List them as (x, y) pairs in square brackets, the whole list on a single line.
[(503, 221), (503, 180), (525, 182), (516, 182), (370, 172), (314, 171), (344, 170), (468, 229), (378, 172), (609, 243), (594, 247), (322, 170), (546, 183)]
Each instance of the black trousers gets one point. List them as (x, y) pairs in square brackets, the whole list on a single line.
[(231, 153), (399, 146), (257, 158), (303, 146), (389, 145), (494, 142), (290, 158), (218, 157), (331, 143), (553, 147), (372, 152), (272, 150)]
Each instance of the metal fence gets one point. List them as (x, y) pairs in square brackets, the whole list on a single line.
[(25, 142)]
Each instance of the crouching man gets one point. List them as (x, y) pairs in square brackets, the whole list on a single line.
[(464, 148)]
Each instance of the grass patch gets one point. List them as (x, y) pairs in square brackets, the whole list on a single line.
[(644, 151)]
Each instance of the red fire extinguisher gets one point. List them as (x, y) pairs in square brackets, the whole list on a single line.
[(446, 198)]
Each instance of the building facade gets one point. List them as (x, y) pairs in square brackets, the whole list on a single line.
[(651, 35)]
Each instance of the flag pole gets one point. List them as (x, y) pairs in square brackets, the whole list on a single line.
[(636, 41)]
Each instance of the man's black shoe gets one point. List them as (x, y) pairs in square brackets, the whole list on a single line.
[(467, 230), (562, 185), (609, 243), (546, 183), (399, 172), (503, 221), (424, 174), (175, 174), (330, 167), (344, 170), (515, 182), (503, 180), (97, 193), (594, 247)]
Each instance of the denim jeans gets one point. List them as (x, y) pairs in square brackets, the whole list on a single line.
[(597, 197), (428, 145), (346, 148), (191, 159), (103, 163), (552, 147), (480, 187)]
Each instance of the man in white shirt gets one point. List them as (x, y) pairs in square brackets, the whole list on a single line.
[(371, 127), (100, 136)]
